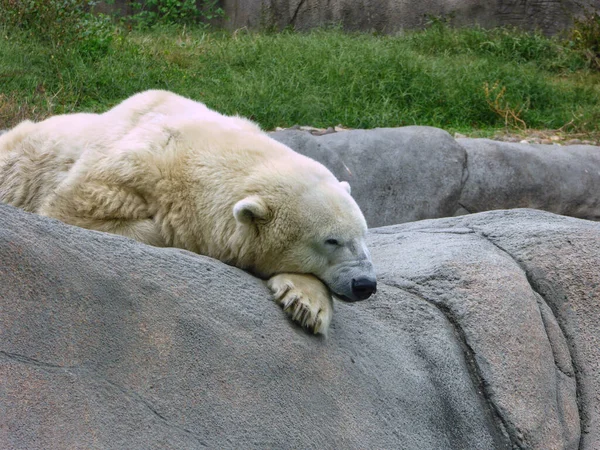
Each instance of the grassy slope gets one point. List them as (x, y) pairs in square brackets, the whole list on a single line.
[(434, 77)]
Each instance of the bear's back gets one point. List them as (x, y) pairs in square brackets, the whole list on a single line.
[(153, 105)]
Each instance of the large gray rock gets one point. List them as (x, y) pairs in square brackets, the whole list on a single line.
[(484, 334), (563, 180), (523, 290), (392, 16), (410, 173), (396, 174)]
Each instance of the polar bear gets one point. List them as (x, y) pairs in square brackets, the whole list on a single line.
[(168, 171)]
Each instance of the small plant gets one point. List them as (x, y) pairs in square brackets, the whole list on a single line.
[(495, 98), (440, 23), (585, 37), (148, 13), (62, 23)]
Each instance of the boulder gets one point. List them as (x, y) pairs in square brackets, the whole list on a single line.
[(522, 289), (410, 173), (397, 174), (483, 334), (564, 180)]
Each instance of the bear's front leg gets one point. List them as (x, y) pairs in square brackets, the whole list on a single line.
[(103, 206), (305, 299)]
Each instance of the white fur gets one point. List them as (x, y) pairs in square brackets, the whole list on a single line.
[(168, 171)]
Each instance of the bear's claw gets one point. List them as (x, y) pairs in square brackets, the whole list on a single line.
[(305, 299)]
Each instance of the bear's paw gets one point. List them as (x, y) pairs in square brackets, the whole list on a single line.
[(305, 299)]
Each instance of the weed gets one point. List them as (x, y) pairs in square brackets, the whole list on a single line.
[(14, 109), (61, 23), (149, 13), (585, 36), (495, 98)]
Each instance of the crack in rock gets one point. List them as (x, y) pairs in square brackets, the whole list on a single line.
[(459, 231), (532, 284), (393, 231), (138, 398), (481, 385), (565, 371), (464, 178), (295, 15), (465, 208), (34, 362)]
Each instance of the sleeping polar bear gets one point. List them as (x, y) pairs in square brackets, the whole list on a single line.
[(168, 171)]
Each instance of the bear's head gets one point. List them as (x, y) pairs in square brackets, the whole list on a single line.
[(298, 218)]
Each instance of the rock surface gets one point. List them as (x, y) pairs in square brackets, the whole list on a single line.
[(484, 334), (410, 173), (565, 180), (523, 289)]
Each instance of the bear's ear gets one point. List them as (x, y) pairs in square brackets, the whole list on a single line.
[(346, 186), (250, 210)]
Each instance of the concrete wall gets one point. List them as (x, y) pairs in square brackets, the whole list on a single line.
[(390, 16)]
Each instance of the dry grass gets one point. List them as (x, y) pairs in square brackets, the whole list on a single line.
[(495, 96), (15, 108)]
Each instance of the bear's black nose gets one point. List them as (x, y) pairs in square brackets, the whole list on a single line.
[(363, 288)]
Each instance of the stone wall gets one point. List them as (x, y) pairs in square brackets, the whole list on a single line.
[(390, 16)]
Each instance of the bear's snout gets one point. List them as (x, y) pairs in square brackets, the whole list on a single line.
[(363, 288)]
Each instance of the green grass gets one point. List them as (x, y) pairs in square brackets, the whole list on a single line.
[(434, 77)]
